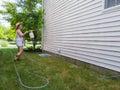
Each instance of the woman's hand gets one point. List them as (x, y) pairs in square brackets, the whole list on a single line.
[(26, 32)]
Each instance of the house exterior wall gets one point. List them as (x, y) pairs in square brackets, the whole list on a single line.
[(83, 30)]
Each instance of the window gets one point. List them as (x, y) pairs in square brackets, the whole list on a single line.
[(118, 2), (111, 3)]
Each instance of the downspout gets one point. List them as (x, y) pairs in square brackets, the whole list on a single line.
[(42, 36)]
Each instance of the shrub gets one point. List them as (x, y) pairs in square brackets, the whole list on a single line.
[(4, 43)]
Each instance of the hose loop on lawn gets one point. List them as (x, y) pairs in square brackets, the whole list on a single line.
[(20, 80)]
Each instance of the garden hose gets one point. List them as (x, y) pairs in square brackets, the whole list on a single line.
[(110, 77), (20, 80)]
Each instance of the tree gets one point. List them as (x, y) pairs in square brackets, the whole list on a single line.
[(3, 32), (29, 12), (6, 32)]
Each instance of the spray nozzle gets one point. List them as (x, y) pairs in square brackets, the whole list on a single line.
[(31, 30)]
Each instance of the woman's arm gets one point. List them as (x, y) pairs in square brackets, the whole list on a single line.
[(21, 34)]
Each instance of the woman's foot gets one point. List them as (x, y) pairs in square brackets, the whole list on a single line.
[(16, 57)]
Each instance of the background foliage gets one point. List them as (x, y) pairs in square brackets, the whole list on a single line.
[(29, 12), (6, 32)]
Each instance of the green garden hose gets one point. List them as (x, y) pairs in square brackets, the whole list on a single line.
[(20, 80)]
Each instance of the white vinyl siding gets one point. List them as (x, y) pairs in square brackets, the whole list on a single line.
[(78, 29)]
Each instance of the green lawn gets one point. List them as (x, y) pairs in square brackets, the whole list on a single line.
[(62, 75)]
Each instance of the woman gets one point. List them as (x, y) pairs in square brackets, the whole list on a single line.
[(19, 40)]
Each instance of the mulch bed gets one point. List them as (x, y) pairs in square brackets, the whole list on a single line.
[(32, 51)]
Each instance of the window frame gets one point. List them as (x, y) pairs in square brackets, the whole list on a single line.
[(110, 9)]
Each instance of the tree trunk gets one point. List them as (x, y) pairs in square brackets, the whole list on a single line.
[(34, 44)]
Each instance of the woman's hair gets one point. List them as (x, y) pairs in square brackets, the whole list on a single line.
[(18, 24)]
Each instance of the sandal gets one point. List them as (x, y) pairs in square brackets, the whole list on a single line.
[(16, 57)]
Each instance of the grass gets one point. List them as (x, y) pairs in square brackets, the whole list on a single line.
[(62, 75)]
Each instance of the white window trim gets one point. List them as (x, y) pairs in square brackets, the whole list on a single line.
[(110, 9)]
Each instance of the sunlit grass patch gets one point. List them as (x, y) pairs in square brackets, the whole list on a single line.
[(61, 74), (3, 43)]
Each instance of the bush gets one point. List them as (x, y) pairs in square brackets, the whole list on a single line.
[(4, 43)]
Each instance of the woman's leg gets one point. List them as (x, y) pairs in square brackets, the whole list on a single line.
[(20, 50)]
